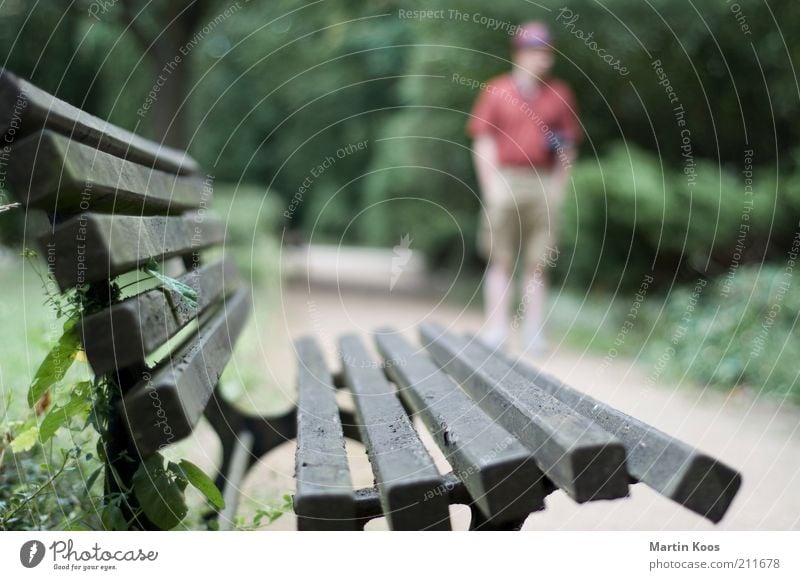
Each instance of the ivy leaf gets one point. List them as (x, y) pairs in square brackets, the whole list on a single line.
[(188, 293), (78, 404), (113, 519), (159, 494), (93, 477), (180, 476), (203, 483), (25, 440), (56, 364)]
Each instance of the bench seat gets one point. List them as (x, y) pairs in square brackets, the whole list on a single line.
[(510, 433)]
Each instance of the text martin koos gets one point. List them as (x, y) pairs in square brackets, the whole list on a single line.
[(679, 547)]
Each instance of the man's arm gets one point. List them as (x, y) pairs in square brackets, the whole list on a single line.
[(484, 157), (572, 134)]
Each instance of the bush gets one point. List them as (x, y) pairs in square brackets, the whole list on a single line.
[(251, 215), (408, 194), (741, 332), (628, 214)]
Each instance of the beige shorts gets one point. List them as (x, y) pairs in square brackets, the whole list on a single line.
[(519, 220)]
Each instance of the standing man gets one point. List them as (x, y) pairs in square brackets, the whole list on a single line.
[(525, 129)]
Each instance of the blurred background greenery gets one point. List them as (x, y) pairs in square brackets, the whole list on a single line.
[(272, 97), (265, 92)]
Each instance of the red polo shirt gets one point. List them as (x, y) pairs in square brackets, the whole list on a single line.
[(526, 130)]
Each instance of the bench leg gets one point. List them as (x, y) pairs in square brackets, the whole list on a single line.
[(245, 439), (480, 523), (238, 463)]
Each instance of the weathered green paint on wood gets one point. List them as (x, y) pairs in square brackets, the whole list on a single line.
[(165, 405), (127, 332), (581, 458), (498, 470), (412, 491), (49, 171), (324, 499), (94, 247), (25, 109)]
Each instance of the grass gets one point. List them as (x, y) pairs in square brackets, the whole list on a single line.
[(724, 335), (43, 489)]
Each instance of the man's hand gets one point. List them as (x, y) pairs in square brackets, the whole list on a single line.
[(561, 172)]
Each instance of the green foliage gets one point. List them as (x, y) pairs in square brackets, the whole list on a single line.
[(49, 494), (113, 518), (627, 214), (188, 293), (56, 363), (203, 483), (25, 440), (266, 515), (159, 492), (742, 332), (250, 213), (415, 190), (78, 405), (279, 87), (273, 512)]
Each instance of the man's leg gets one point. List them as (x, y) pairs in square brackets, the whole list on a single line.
[(534, 295), (497, 239), (497, 291), (541, 255)]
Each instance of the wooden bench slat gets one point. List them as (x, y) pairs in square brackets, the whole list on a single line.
[(51, 172), (580, 458), (95, 247), (164, 407), (324, 499), (127, 332), (25, 109), (669, 466), (368, 500), (411, 489), (498, 470)]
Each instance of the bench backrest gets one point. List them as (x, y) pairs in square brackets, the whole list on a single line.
[(116, 202)]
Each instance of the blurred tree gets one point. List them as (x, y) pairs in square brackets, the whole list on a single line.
[(164, 32), (268, 94)]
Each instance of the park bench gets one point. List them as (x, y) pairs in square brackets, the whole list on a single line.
[(117, 202), (510, 433)]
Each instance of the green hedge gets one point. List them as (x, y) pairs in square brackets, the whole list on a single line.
[(742, 331)]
